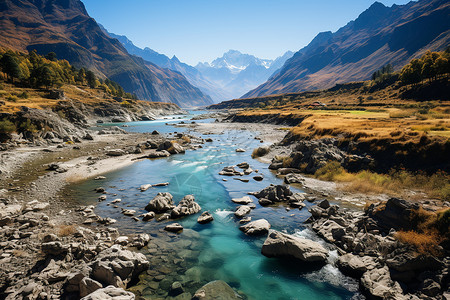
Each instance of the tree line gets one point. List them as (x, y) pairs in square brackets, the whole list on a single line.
[(37, 71), (431, 66)]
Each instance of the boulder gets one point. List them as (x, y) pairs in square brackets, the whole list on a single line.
[(117, 267), (205, 217), (187, 206), (377, 283), (258, 227), (110, 293), (243, 200), (54, 248), (88, 286), (280, 244), (175, 227), (216, 290), (243, 165), (355, 266), (145, 187), (242, 210), (275, 193), (293, 178), (160, 203), (258, 177), (115, 152), (396, 213), (148, 216), (240, 150)]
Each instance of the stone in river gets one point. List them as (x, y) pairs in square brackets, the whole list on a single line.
[(258, 227), (205, 217)]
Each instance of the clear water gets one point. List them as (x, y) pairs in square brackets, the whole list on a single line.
[(218, 250)]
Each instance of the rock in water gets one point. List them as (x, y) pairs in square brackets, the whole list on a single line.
[(216, 290), (175, 227), (161, 203), (205, 217), (279, 244), (243, 200), (145, 187), (242, 210), (187, 206), (258, 227)]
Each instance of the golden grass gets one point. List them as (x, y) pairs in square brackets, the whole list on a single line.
[(38, 98), (436, 185), (260, 151), (425, 243)]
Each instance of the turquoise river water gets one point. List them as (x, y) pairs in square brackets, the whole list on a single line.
[(219, 250)]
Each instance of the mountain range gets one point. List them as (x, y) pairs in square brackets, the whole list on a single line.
[(174, 64), (227, 77), (379, 36), (64, 27), (237, 73)]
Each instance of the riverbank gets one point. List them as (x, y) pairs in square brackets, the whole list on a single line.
[(90, 159)]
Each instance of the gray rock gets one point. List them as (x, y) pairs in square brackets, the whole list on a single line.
[(161, 203), (258, 227), (275, 193), (279, 244), (205, 217), (175, 227), (54, 248), (115, 152), (377, 283), (240, 150), (145, 187), (293, 178), (355, 266), (243, 200), (148, 216), (216, 290), (187, 206), (110, 293), (242, 210), (117, 267), (88, 286)]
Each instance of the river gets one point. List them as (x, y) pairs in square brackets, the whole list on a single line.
[(219, 250)]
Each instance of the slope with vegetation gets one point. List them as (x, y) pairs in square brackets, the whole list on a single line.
[(42, 94), (65, 28), (379, 36)]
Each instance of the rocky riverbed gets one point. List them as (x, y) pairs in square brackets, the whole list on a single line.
[(53, 248)]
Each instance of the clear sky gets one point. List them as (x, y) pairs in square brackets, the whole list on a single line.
[(201, 30)]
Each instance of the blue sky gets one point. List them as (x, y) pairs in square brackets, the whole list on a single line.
[(201, 30)]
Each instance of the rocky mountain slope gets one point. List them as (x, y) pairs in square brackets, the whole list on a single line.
[(380, 35), (192, 74), (237, 73), (65, 28)]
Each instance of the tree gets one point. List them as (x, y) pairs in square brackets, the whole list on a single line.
[(10, 65), (51, 56), (81, 76), (46, 76), (91, 79)]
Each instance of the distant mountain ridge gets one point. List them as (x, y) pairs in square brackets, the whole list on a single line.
[(380, 35), (64, 27), (174, 64), (238, 73)]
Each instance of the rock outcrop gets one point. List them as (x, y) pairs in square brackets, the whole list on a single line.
[(279, 244)]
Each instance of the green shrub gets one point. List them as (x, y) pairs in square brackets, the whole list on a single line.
[(7, 126), (27, 126)]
